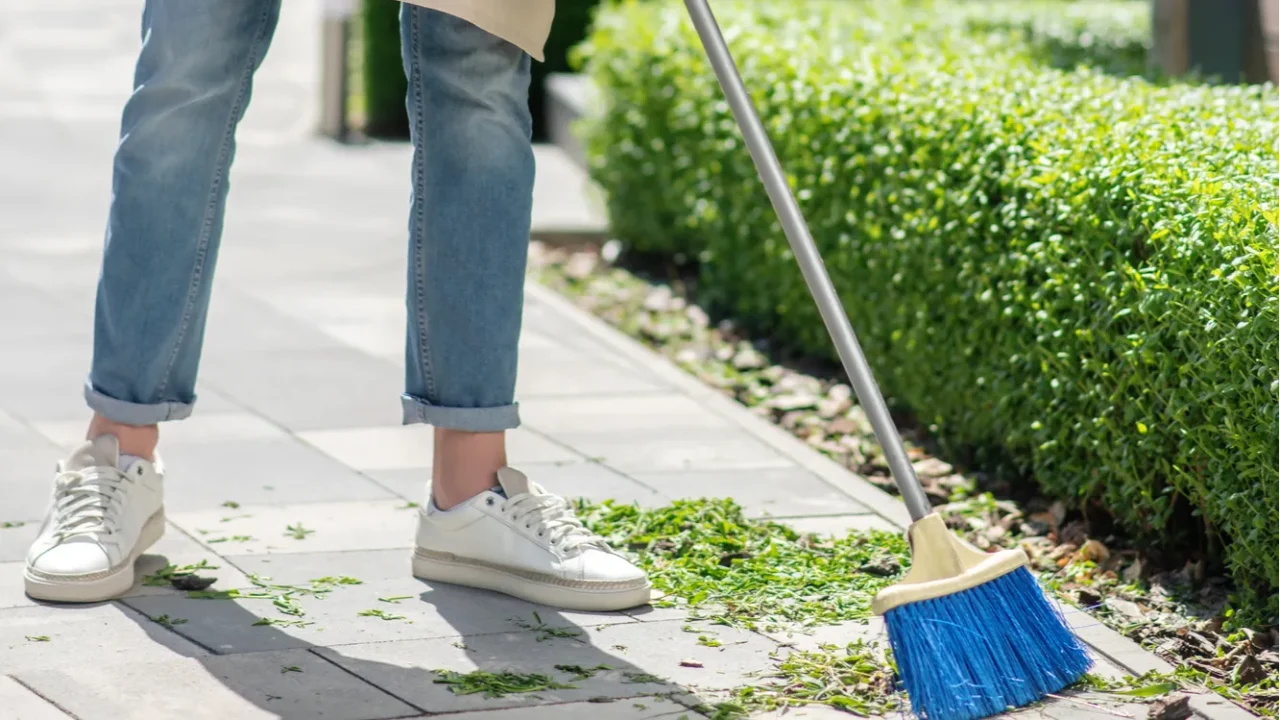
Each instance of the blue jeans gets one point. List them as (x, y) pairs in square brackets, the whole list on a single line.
[(472, 194)]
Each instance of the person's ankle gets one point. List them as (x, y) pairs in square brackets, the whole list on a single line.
[(464, 464), (137, 440)]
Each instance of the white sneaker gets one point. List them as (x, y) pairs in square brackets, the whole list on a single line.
[(526, 542), (100, 520)]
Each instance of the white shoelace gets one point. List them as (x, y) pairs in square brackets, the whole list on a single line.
[(550, 516), (87, 501)]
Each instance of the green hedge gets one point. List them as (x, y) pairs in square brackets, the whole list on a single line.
[(1075, 268), (382, 67)]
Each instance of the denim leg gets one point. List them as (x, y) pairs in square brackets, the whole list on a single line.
[(469, 221), (169, 188)]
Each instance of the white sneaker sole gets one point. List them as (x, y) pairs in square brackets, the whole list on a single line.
[(607, 597), (96, 587)]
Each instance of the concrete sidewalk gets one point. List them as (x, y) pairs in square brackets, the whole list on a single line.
[(298, 423)]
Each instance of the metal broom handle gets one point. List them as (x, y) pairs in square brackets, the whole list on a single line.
[(811, 265)]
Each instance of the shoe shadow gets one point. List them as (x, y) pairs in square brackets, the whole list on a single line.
[(400, 663)]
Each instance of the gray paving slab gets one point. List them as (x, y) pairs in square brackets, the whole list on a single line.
[(632, 653), (84, 636), (27, 461), (421, 611), (541, 377), (29, 314), (202, 428), (388, 574), (271, 685), (686, 449), (326, 527), (370, 566), (390, 448), (241, 325), (620, 414), (791, 491), (16, 537), (572, 480), (632, 708), (23, 704), (307, 389), (278, 472), (269, 466), (558, 210), (45, 380)]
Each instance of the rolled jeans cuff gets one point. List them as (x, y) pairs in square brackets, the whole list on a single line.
[(131, 413), (487, 419)]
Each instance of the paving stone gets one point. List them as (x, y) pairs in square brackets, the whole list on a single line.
[(1079, 706), (283, 471), (679, 449), (541, 343), (813, 712), (12, 593), (840, 635), (369, 525), (371, 323), (307, 389), (379, 337), (371, 566), (621, 414), (761, 492), (838, 525), (204, 427), (635, 708), (640, 648), (245, 327), (542, 377), (389, 573), (441, 611), (406, 446), (649, 613), (14, 541), (173, 548), (29, 314), (244, 687), (587, 480), (562, 200), (27, 461), (45, 380), (22, 704), (84, 636)]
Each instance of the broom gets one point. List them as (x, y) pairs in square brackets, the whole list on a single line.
[(972, 633)]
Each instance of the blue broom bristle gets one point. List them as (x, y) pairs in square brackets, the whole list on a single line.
[(984, 650)]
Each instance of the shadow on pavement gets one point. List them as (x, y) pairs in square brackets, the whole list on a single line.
[(284, 672)]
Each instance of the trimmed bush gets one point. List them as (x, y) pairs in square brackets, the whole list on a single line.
[(384, 81), (1074, 269)]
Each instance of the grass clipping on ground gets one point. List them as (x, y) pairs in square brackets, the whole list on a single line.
[(706, 556)]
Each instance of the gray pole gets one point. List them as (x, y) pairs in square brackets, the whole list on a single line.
[(811, 265)]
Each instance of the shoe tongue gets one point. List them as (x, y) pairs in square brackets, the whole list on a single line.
[(102, 451), (513, 482)]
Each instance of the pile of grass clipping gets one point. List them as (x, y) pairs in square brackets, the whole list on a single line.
[(708, 556)]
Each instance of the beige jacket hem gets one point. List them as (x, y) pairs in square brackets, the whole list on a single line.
[(523, 23)]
